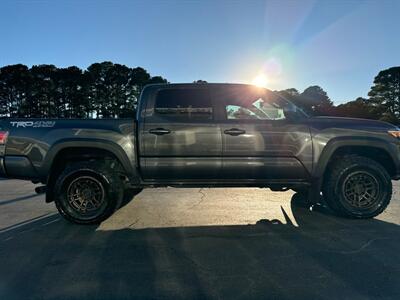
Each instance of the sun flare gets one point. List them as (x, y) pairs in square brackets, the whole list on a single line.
[(260, 80)]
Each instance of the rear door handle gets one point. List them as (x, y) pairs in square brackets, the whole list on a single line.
[(234, 131), (159, 131)]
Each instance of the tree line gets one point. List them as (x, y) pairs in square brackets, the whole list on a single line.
[(108, 90), (103, 90), (383, 102)]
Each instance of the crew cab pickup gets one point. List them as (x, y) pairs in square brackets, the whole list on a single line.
[(204, 135)]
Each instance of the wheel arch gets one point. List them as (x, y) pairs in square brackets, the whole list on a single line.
[(97, 146), (377, 149), (69, 151)]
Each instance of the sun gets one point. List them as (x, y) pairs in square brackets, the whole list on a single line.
[(260, 80)]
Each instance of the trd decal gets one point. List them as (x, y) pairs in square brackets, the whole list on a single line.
[(33, 124)]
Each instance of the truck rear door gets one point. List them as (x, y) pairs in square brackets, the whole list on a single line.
[(179, 140)]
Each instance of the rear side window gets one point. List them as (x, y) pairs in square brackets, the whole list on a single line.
[(184, 104)]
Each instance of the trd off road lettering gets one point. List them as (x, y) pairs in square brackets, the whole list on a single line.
[(33, 124), (205, 135)]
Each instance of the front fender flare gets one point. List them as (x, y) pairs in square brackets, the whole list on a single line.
[(337, 143)]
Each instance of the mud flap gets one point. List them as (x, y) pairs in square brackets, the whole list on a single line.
[(314, 195)]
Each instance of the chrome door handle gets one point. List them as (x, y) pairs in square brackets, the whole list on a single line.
[(159, 131), (234, 131)]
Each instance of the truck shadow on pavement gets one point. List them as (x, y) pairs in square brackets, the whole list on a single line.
[(321, 257)]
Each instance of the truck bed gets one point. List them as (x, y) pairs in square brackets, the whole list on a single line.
[(33, 143)]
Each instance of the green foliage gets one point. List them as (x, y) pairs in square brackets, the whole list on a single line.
[(318, 99), (383, 103), (385, 94), (108, 90), (14, 85), (104, 90), (313, 100), (359, 108)]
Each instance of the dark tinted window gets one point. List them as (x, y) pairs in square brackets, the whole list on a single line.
[(186, 104)]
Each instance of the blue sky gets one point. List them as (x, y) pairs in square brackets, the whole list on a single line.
[(338, 44)]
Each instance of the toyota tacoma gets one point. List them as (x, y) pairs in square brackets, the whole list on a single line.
[(204, 135)]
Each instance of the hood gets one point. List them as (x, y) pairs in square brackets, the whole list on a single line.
[(351, 123)]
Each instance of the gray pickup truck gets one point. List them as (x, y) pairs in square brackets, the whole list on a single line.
[(204, 135)]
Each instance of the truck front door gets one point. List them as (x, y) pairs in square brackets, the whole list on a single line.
[(261, 138), (179, 140)]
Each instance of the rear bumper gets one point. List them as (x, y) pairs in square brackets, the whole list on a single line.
[(19, 167)]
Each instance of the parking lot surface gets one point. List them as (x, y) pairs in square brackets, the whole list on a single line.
[(170, 243)]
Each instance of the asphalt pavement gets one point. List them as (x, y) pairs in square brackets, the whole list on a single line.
[(241, 243)]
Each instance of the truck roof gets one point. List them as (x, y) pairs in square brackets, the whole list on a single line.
[(191, 85)]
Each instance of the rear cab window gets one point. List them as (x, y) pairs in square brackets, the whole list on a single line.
[(183, 104)]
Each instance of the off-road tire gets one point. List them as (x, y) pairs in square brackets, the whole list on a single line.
[(102, 177), (352, 179)]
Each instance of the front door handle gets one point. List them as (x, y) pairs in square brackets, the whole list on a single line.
[(234, 131), (159, 131)]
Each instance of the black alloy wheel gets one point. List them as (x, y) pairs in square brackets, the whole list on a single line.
[(357, 187), (89, 192), (361, 189), (86, 195)]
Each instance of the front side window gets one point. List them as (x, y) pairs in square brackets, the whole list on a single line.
[(251, 103), (257, 110), (184, 104)]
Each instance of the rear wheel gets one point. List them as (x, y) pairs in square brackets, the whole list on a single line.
[(357, 187), (89, 192)]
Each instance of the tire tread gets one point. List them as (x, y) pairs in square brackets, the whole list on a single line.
[(338, 169), (108, 170)]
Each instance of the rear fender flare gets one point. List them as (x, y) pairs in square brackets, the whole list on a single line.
[(128, 165)]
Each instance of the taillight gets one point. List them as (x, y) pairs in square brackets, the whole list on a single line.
[(3, 137)]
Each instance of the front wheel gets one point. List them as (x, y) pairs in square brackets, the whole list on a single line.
[(357, 187), (88, 192)]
